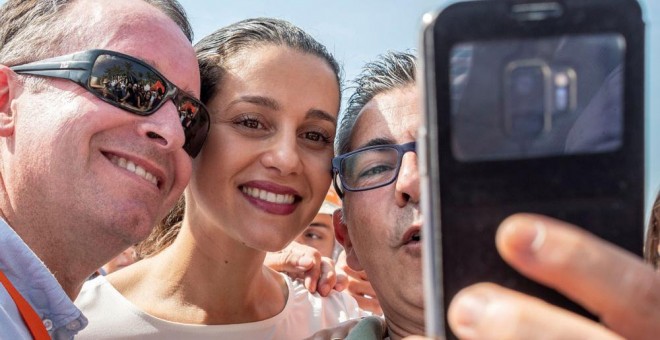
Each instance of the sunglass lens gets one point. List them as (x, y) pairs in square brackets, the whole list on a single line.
[(126, 84), (136, 88), (195, 122)]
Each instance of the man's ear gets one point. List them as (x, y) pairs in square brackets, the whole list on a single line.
[(342, 236), (7, 87)]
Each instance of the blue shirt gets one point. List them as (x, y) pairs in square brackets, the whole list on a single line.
[(39, 287)]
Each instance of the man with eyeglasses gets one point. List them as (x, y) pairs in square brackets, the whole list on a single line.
[(84, 175), (376, 173)]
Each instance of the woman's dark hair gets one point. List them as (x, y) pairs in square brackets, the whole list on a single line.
[(651, 246), (213, 53), (216, 49)]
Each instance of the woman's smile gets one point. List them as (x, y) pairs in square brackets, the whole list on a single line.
[(271, 197)]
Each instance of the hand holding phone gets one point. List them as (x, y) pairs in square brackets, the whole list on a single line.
[(612, 283)]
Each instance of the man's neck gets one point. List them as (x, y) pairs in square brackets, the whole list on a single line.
[(66, 270), (404, 326), (70, 268)]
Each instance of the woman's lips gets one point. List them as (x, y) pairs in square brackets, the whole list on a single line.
[(270, 197)]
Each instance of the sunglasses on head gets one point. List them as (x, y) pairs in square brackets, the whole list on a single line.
[(129, 84)]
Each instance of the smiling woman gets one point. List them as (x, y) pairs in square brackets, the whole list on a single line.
[(258, 181)]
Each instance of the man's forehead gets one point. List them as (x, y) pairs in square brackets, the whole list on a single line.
[(390, 115), (129, 26)]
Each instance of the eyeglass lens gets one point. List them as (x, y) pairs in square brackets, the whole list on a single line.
[(370, 167)]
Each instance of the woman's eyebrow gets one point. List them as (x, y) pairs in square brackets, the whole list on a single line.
[(320, 114), (274, 105), (257, 100)]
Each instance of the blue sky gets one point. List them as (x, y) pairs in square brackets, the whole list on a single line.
[(354, 31)]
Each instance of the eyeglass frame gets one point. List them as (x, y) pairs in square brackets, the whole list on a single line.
[(401, 150), (77, 67)]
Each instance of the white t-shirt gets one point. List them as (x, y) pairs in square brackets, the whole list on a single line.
[(111, 316)]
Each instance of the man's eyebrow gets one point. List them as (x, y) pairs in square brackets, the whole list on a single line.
[(257, 100), (376, 141), (320, 114)]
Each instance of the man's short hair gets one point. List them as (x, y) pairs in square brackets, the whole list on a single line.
[(37, 29), (390, 71)]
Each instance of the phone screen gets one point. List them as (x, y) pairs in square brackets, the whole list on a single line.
[(534, 98), (535, 125)]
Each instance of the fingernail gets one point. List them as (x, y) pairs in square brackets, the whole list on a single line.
[(309, 285), (324, 289), (468, 310), (539, 236), (524, 236)]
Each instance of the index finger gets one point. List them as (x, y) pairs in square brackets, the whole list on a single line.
[(610, 282)]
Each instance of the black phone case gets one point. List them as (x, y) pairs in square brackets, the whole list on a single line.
[(464, 201)]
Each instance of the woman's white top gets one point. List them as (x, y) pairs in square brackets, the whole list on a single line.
[(111, 316)]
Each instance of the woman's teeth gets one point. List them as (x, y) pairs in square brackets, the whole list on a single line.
[(268, 196)]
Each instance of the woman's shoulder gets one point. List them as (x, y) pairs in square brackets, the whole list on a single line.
[(111, 315), (110, 294), (96, 293), (92, 288)]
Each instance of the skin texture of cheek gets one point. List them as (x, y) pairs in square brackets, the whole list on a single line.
[(218, 178), (375, 234), (369, 231)]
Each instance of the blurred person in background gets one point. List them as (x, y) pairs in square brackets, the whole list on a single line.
[(125, 259), (320, 234)]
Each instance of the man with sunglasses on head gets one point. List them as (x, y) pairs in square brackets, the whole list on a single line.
[(376, 175), (84, 175)]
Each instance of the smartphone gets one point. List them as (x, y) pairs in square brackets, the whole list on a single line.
[(530, 106)]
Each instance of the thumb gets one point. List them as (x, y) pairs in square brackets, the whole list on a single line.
[(288, 260), (304, 263), (342, 281)]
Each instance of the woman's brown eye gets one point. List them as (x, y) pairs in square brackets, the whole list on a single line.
[(313, 136), (316, 137), (251, 123)]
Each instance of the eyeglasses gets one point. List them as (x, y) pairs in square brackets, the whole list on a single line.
[(369, 168), (129, 84)]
